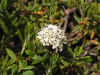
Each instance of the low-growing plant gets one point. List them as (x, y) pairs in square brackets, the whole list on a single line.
[(23, 51)]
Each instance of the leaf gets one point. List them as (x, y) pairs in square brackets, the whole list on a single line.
[(78, 63), (3, 26), (21, 62), (20, 35), (28, 67), (65, 63), (11, 61), (78, 51), (28, 73), (78, 28), (13, 68), (86, 32), (94, 42), (92, 35), (70, 51), (11, 54), (28, 52), (77, 18), (38, 59), (3, 4), (5, 60), (54, 60), (86, 59), (97, 16)]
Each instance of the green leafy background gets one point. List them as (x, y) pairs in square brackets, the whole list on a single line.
[(21, 53)]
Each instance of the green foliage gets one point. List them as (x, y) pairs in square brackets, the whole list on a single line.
[(11, 54), (28, 73), (21, 53)]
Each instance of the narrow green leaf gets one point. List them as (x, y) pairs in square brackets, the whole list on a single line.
[(28, 73), (77, 18), (28, 67), (11, 54), (78, 28), (3, 26), (86, 59)]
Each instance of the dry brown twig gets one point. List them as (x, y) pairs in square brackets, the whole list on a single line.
[(67, 17)]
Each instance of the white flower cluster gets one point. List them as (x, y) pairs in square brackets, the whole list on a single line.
[(53, 36)]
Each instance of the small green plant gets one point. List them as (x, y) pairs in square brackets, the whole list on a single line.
[(21, 53)]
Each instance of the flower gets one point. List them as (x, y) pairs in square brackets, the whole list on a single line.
[(53, 36)]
